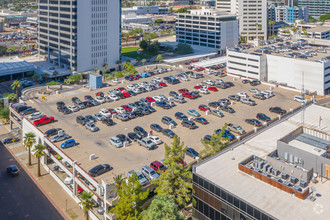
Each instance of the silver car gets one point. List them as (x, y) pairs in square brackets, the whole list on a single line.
[(92, 127), (150, 173), (123, 117), (59, 137), (143, 181)]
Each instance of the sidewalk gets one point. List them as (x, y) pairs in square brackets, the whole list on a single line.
[(66, 206)]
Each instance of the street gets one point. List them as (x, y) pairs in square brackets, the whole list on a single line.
[(20, 198)]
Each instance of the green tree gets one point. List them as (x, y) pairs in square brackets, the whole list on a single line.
[(82, 77), (16, 84), (153, 35), (312, 19), (184, 49), (143, 61), (159, 58), (4, 113), (76, 78), (182, 10), (217, 143), (52, 83), (143, 44), (177, 180), (29, 141), (68, 80), (159, 20), (162, 208), (36, 78), (38, 153), (86, 202), (131, 199), (45, 76), (12, 97), (96, 70), (9, 50), (24, 48)]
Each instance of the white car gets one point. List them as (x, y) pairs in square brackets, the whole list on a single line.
[(115, 80), (203, 91), (163, 97), (184, 78), (68, 180), (267, 95), (158, 98), (120, 110), (73, 108), (105, 113), (100, 99), (254, 90), (137, 90), (133, 86), (113, 97), (155, 139), (243, 95), (219, 81), (300, 99), (36, 115), (98, 117), (209, 82), (269, 92), (157, 79)]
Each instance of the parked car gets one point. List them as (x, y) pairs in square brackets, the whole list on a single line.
[(35, 116), (300, 99), (216, 113), (259, 96), (188, 124), (172, 93), (277, 110), (263, 117), (142, 179), (201, 120), (255, 82), (253, 122), (149, 173), (168, 121), (43, 121), (234, 97), (192, 153), (60, 137), (115, 141), (133, 136), (140, 131), (155, 139), (180, 116), (92, 127), (68, 143), (73, 108), (105, 113), (203, 108), (28, 111), (178, 99), (147, 143), (156, 127), (248, 101), (236, 128), (193, 112), (254, 90), (123, 138), (123, 117), (226, 134), (168, 133), (98, 117), (51, 132), (227, 109), (10, 140), (12, 170), (99, 169), (81, 120), (245, 81), (158, 166)]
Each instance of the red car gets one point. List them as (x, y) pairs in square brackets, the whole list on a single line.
[(187, 64), (134, 77), (189, 95), (197, 87), (200, 69), (183, 163), (183, 90), (212, 88), (126, 94), (150, 99), (43, 121), (194, 61), (204, 108), (80, 190), (127, 108), (122, 89), (100, 94), (158, 166), (162, 84), (112, 111)]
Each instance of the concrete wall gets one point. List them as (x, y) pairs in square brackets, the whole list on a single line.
[(229, 34)]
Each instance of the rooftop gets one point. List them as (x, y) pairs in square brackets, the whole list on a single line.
[(223, 171), (319, 28), (11, 65)]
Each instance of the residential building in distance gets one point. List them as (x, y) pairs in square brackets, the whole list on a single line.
[(207, 28), (140, 10), (307, 30), (296, 64), (315, 7), (291, 14), (79, 35), (278, 174), (252, 16)]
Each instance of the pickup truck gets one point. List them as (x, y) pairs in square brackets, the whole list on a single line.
[(236, 128), (43, 120), (147, 143)]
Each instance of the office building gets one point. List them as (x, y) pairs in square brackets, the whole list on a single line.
[(225, 5), (306, 67), (140, 10), (12, 68), (252, 16), (291, 14), (79, 35), (261, 178), (316, 7), (208, 28)]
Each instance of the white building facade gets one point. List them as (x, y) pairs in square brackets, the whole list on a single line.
[(207, 28), (80, 35)]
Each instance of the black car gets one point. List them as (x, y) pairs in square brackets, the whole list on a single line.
[(129, 78), (88, 98), (188, 124), (10, 140), (137, 113), (144, 110), (64, 110), (151, 109), (181, 116), (207, 137), (156, 127), (88, 103), (173, 81), (192, 153), (255, 82), (227, 109), (123, 138), (99, 169), (133, 136), (234, 97), (75, 100), (108, 121), (168, 133), (221, 85), (245, 81), (81, 120), (28, 111), (277, 110), (253, 122), (214, 104), (139, 103), (12, 170), (51, 132), (140, 131), (21, 108), (60, 104), (229, 84), (263, 117), (172, 93), (131, 93), (201, 120)]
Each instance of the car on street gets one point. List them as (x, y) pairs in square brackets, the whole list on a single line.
[(158, 166), (277, 110), (142, 179), (68, 143), (10, 140), (91, 126), (60, 137), (12, 170), (115, 141), (300, 99), (156, 127), (235, 128), (149, 173), (253, 122), (35, 116), (192, 153), (168, 133), (193, 112), (99, 169), (168, 121), (180, 116)]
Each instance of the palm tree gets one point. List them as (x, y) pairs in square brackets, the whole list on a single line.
[(118, 62), (269, 27), (68, 80), (86, 202), (143, 61), (118, 180), (105, 70), (16, 84), (39, 152), (12, 97), (96, 70), (55, 74), (36, 77), (45, 76), (9, 50), (24, 48), (29, 141)]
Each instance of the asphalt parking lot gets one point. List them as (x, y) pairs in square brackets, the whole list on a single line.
[(134, 156)]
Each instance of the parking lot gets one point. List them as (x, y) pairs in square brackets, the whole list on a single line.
[(134, 156)]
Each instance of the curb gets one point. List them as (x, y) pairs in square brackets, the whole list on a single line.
[(38, 185)]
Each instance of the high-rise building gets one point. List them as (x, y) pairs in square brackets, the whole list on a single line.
[(252, 16), (79, 35), (316, 7), (225, 5), (291, 14)]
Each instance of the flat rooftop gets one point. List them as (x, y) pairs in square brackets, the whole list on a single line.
[(306, 147), (223, 171), (11, 65), (319, 28)]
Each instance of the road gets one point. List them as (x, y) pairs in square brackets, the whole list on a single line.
[(20, 198)]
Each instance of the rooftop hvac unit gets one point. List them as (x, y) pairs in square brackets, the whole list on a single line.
[(249, 166), (255, 163), (293, 180), (275, 172), (260, 164), (265, 166), (286, 156), (295, 187), (287, 183), (290, 158), (302, 184), (284, 176), (269, 169), (296, 160)]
